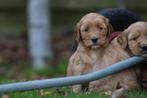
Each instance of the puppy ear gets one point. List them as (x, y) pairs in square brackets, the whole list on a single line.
[(122, 40), (77, 32), (109, 26)]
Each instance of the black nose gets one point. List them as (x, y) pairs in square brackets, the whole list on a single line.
[(94, 40), (144, 48)]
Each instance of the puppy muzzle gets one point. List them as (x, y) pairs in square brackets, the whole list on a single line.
[(94, 40), (144, 48)]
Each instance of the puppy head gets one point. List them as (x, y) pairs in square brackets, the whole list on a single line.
[(135, 36), (93, 30)]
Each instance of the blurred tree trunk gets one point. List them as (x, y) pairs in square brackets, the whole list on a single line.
[(39, 32)]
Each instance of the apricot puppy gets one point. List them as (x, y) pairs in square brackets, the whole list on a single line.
[(92, 33), (133, 41)]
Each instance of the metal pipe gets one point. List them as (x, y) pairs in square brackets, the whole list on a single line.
[(66, 81)]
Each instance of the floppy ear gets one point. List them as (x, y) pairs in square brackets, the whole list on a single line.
[(77, 32), (122, 40), (109, 27)]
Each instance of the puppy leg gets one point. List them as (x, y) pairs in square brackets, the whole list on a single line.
[(92, 85), (117, 93), (76, 88)]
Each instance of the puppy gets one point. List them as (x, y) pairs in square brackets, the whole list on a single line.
[(92, 35), (138, 46), (133, 41)]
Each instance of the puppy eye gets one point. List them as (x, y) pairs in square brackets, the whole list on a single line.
[(86, 29), (134, 38), (101, 28)]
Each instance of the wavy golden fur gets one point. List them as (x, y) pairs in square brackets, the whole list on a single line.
[(133, 41), (92, 34)]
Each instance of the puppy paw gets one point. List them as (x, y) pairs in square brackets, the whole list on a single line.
[(117, 93), (108, 93), (76, 88)]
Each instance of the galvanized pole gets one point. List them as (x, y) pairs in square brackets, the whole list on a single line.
[(65, 81), (39, 32)]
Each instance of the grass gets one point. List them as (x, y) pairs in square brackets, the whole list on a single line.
[(137, 94), (54, 93), (64, 92), (26, 73)]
